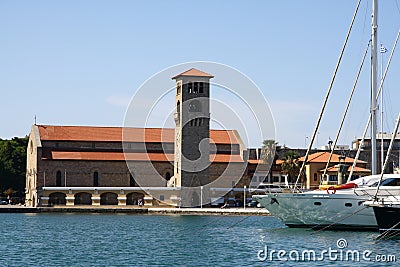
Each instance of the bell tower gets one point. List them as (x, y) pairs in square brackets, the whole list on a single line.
[(192, 133)]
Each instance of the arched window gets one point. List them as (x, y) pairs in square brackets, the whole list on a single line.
[(201, 88), (31, 147), (132, 181), (95, 178), (189, 88), (167, 176), (196, 122), (58, 178)]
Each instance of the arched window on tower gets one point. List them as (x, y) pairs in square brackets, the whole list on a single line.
[(58, 178), (190, 88), (96, 178), (177, 114), (201, 87)]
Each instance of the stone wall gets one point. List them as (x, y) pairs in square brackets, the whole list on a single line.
[(110, 173)]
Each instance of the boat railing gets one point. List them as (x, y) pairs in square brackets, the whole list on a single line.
[(276, 188), (383, 193), (296, 188), (388, 200)]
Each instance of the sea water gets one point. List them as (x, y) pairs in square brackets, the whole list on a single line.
[(182, 240)]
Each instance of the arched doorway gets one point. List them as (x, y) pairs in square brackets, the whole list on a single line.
[(168, 178), (133, 198), (109, 198), (83, 198), (57, 198)]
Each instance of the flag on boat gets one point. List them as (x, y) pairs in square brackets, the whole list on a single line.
[(383, 49)]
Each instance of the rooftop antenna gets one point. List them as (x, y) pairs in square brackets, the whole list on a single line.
[(35, 119)]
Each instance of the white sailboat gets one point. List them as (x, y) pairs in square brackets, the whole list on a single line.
[(344, 209), (387, 208), (318, 209)]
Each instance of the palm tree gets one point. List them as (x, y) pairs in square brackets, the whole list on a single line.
[(269, 154), (268, 151), (290, 165)]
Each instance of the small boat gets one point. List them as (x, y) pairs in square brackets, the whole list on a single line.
[(388, 218), (387, 208), (387, 214)]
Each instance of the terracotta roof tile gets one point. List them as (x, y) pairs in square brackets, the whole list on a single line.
[(114, 134), (225, 158), (322, 157), (195, 73), (356, 169), (223, 137), (255, 161)]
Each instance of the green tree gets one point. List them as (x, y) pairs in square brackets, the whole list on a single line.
[(9, 192), (269, 154), (13, 164), (290, 165), (268, 151)]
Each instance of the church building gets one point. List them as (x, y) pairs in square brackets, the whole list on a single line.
[(185, 166)]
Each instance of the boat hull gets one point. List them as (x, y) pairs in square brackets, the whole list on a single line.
[(388, 218), (319, 210)]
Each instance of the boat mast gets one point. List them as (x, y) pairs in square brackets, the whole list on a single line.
[(382, 49), (374, 82)]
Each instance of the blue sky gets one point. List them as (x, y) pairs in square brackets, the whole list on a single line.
[(80, 62)]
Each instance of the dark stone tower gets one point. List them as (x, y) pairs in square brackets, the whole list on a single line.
[(192, 133)]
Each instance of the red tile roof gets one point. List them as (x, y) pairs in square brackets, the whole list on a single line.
[(255, 161), (120, 156), (322, 157), (356, 169), (194, 73), (114, 134), (224, 158)]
